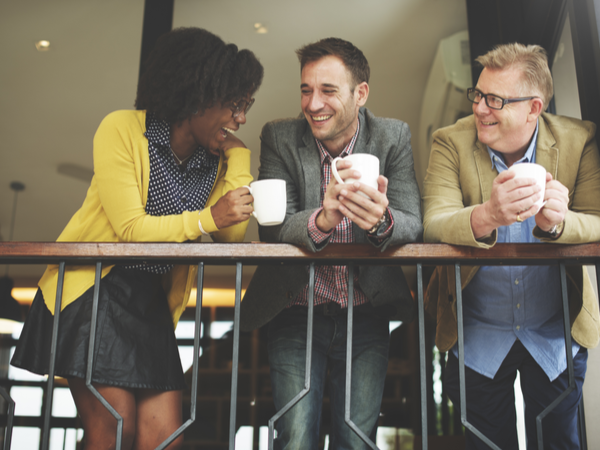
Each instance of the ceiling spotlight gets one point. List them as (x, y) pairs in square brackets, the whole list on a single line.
[(42, 46), (260, 28)]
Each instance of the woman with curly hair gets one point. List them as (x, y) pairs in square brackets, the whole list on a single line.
[(170, 171)]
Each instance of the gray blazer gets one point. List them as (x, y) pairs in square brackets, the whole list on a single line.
[(289, 152)]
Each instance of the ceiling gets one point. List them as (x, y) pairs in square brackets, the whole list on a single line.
[(53, 101)]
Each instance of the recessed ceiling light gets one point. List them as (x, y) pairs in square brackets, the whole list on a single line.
[(42, 46), (260, 28)]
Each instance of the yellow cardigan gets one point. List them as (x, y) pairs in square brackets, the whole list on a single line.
[(114, 209)]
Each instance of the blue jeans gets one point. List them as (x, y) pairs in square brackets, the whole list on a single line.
[(299, 427), (491, 402)]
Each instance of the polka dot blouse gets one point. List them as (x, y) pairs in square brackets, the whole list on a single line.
[(173, 188)]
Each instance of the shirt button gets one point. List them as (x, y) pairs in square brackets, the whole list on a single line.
[(518, 305), (516, 281), (518, 327), (183, 200)]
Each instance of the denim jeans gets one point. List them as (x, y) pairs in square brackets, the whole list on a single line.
[(299, 427)]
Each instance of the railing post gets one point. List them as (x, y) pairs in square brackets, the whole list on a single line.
[(50, 385), (422, 358), (349, 333), (11, 416), (308, 363), (90, 361), (461, 361), (569, 351), (236, 354)]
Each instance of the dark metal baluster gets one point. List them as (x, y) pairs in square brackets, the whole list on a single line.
[(350, 328), (50, 385), (461, 361), (90, 361), (581, 425), (569, 349), (307, 370), (236, 354), (195, 365), (422, 358), (11, 416)]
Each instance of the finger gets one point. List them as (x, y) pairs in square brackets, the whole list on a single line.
[(382, 184)]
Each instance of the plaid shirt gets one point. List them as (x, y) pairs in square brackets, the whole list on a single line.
[(331, 282)]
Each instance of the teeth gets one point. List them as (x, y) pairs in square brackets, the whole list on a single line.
[(320, 118), (229, 130), (489, 123)]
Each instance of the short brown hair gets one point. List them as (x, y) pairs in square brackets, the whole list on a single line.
[(354, 60), (532, 61)]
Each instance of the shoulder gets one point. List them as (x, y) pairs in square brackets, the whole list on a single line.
[(291, 124), (123, 121), (379, 126), (567, 125)]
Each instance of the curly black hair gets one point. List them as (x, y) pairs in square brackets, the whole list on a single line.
[(190, 70)]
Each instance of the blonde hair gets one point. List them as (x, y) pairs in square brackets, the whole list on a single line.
[(533, 62)]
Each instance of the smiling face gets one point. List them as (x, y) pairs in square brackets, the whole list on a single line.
[(329, 105), (210, 128), (510, 129)]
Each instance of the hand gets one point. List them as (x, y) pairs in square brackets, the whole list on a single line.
[(510, 197), (231, 141), (331, 216), (556, 207), (233, 208), (364, 212)]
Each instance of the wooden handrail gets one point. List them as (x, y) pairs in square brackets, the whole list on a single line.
[(264, 253)]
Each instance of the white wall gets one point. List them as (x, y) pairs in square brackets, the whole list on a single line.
[(567, 104)]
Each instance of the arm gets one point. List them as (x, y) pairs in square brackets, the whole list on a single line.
[(234, 174), (403, 194), (582, 219), (276, 163), (120, 171), (446, 217)]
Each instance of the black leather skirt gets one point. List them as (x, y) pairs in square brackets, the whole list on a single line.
[(135, 344)]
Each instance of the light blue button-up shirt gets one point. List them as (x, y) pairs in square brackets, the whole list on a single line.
[(506, 303)]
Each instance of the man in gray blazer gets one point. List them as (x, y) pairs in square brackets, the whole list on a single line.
[(334, 87)]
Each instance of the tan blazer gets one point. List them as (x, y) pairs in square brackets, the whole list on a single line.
[(460, 177)]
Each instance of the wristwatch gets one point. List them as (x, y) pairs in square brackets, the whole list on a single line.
[(381, 224), (556, 230)]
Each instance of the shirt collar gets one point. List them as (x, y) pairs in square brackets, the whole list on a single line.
[(158, 132), (347, 150), (498, 159)]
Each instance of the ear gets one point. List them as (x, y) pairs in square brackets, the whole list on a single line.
[(361, 92), (537, 108)]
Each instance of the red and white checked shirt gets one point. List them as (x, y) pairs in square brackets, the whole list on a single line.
[(331, 282)]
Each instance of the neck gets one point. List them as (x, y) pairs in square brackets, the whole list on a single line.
[(336, 146)]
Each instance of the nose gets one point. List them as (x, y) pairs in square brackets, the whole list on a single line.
[(314, 102), (241, 118), (481, 108)]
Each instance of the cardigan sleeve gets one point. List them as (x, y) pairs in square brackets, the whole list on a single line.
[(234, 173)]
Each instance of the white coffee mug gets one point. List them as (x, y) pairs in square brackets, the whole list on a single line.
[(535, 171), (367, 165), (270, 201)]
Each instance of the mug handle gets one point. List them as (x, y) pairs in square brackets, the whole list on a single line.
[(334, 170), (250, 190)]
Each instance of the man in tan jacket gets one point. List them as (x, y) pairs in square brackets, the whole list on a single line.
[(513, 314)]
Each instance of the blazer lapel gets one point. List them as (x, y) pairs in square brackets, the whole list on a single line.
[(546, 152), (310, 160), (485, 169)]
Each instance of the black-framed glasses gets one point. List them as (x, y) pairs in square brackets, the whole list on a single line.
[(493, 101), (242, 105)]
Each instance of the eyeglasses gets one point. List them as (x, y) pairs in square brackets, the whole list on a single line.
[(242, 105), (493, 101)]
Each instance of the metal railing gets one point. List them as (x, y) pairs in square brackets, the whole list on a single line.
[(418, 255)]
